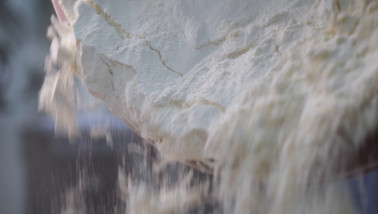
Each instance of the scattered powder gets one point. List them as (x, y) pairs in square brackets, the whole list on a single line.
[(272, 96)]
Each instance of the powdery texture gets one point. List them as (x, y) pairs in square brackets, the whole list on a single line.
[(271, 95)]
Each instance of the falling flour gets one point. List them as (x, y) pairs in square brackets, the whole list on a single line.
[(270, 96)]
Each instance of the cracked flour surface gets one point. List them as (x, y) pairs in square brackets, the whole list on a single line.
[(270, 95)]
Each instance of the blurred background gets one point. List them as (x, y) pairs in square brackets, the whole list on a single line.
[(23, 47), (41, 173)]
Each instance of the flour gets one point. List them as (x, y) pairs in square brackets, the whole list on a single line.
[(270, 95)]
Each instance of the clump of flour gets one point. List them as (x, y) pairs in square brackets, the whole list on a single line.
[(271, 96), (58, 95)]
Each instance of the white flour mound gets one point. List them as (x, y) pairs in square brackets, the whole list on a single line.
[(272, 95)]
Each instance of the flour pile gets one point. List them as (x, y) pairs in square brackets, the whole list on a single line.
[(271, 96)]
